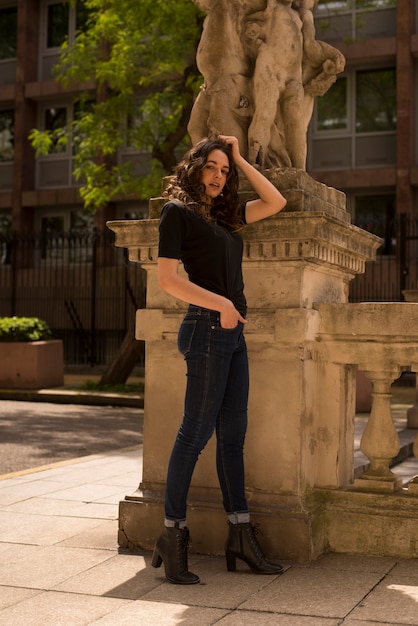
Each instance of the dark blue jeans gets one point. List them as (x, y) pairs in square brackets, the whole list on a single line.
[(216, 399)]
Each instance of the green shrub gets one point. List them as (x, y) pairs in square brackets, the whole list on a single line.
[(23, 329)]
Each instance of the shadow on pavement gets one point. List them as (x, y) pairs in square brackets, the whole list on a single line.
[(38, 433)]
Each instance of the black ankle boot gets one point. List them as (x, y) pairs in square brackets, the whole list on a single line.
[(242, 544), (171, 549)]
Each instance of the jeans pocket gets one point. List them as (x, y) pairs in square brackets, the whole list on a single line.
[(185, 336), (216, 325)]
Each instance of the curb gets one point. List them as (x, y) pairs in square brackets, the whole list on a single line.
[(67, 462), (72, 397)]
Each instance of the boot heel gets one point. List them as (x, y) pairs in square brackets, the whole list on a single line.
[(156, 559), (231, 562)]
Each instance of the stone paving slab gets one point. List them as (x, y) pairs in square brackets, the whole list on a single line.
[(16, 493), (162, 614), (22, 528), (12, 595), (58, 609), (123, 576), (217, 587), (104, 536), (354, 563), (49, 566), (395, 600), (88, 492), (313, 591), (60, 508)]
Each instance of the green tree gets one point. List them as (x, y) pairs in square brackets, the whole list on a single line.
[(141, 57)]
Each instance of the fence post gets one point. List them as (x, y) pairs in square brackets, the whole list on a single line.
[(93, 298), (403, 267), (13, 270)]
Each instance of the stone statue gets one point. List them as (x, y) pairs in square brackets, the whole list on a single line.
[(263, 68), (225, 99)]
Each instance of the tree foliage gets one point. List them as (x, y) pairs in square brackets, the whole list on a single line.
[(141, 56)]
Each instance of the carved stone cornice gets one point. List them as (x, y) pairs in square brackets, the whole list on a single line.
[(314, 227), (290, 236)]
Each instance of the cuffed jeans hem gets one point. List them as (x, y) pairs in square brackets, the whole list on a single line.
[(239, 518), (175, 523)]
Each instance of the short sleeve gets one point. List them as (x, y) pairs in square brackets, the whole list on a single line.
[(172, 231), (243, 207)]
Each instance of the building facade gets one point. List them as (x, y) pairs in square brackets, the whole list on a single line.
[(362, 138), (37, 194)]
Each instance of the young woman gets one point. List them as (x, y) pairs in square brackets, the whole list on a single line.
[(200, 226)]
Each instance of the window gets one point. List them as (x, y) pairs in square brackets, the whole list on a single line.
[(372, 100), (354, 122), (8, 33), (375, 101), (333, 6), (5, 239), (66, 237), (81, 15), (78, 134), (332, 109), (56, 121), (63, 20), (55, 169), (6, 135), (355, 19), (53, 225), (52, 237), (57, 24)]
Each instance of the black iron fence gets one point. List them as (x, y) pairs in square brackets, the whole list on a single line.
[(79, 283), (396, 267)]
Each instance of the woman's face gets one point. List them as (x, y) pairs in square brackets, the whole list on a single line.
[(214, 173)]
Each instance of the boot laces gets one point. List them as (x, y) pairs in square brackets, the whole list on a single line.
[(183, 544), (254, 531)]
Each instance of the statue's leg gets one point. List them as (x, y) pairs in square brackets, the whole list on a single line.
[(231, 108), (277, 152), (294, 123), (198, 123), (231, 125), (267, 90)]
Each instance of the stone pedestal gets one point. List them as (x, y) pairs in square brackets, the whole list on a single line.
[(301, 410)]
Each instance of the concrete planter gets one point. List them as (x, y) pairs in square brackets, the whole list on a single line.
[(31, 364)]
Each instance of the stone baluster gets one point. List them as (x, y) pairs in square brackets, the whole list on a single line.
[(412, 415), (380, 441), (411, 295)]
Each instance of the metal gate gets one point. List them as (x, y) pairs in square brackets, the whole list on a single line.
[(396, 267), (79, 283)]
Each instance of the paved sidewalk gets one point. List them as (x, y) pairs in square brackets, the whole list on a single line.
[(60, 566)]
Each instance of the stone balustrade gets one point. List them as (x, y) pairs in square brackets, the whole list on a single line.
[(382, 340)]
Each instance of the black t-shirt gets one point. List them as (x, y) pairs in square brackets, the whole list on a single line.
[(211, 254)]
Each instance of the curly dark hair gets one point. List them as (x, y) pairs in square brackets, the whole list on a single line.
[(187, 187)]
